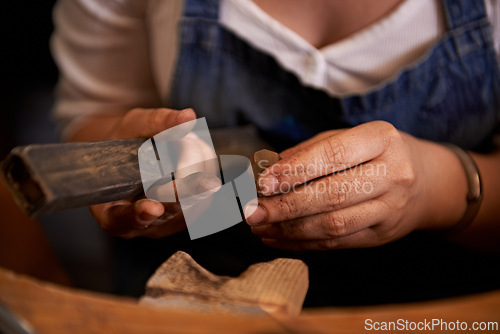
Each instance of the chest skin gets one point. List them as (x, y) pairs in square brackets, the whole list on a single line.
[(324, 22)]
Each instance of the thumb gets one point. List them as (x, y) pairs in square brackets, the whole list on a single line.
[(121, 218), (145, 123)]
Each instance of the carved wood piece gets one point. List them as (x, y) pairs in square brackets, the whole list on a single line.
[(278, 286), (262, 160)]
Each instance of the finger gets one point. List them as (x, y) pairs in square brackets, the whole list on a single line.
[(121, 217), (305, 144), (330, 225), (146, 123), (174, 223), (333, 192), (362, 239), (339, 152)]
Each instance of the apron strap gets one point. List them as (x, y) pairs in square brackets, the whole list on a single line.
[(208, 9), (461, 12)]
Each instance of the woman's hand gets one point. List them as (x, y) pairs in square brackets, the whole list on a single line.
[(361, 187), (135, 217)]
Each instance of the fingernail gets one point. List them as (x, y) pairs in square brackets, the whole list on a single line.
[(268, 185), (182, 114), (257, 217)]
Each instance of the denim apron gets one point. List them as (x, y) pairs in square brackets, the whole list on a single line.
[(450, 95)]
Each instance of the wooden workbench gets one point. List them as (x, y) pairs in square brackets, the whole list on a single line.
[(54, 309)]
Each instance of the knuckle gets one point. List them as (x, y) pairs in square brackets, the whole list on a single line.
[(334, 151), (156, 117), (391, 234), (342, 195), (126, 126), (335, 226), (289, 207), (388, 132), (339, 196), (386, 127), (131, 117), (407, 175), (386, 234)]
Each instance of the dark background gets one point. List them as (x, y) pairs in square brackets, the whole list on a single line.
[(28, 74), (27, 82)]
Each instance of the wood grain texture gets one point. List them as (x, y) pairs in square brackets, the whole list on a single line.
[(46, 178), (278, 286), (53, 309)]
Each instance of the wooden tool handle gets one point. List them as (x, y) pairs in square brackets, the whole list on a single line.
[(54, 177)]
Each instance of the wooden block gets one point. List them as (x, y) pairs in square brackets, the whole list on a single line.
[(262, 160), (277, 287)]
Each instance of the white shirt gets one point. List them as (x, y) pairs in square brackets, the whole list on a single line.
[(116, 55)]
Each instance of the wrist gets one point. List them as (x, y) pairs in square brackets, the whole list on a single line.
[(446, 188), (474, 189)]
